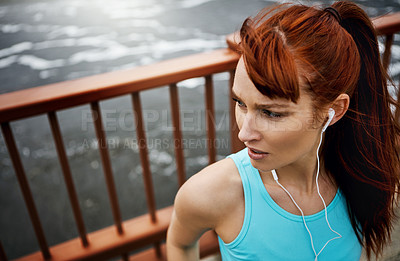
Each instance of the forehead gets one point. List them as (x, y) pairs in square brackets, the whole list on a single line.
[(244, 88)]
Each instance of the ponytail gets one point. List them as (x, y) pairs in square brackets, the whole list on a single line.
[(359, 151)]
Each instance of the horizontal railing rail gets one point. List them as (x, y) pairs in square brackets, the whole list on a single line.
[(149, 229), (62, 95)]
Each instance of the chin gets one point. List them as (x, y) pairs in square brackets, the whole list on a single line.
[(260, 166)]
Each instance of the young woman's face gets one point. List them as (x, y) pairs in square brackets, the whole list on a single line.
[(277, 132)]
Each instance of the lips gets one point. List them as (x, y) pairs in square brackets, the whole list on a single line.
[(256, 154)]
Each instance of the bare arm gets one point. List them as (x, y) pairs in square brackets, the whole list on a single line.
[(177, 247), (204, 202), (190, 219)]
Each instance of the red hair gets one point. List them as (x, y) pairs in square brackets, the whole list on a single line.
[(290, 44)]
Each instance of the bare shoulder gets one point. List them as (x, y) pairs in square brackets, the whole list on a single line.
[(210, 194)]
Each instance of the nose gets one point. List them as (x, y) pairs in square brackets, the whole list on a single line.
[(247, 129)]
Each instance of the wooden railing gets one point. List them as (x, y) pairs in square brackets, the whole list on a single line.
[(126, 236), (149, 229)]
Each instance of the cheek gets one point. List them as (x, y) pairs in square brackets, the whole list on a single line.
[(292, 137), (293, 146)]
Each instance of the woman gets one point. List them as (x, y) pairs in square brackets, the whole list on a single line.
[(283, 197)]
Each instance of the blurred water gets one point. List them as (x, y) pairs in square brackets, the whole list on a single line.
[(44, 42)]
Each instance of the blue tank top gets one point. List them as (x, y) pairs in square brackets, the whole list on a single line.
[(271, 233)]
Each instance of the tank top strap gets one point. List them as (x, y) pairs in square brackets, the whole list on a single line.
[(248, 173), (243, 164)]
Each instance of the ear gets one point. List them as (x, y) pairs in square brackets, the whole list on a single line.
[(340, 105)]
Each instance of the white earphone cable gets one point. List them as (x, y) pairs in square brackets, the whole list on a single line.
[(323, 201), (301, 211), (302, 215)]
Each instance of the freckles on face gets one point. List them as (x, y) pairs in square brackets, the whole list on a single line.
[(279, 131)]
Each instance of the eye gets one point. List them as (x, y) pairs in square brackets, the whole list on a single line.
[(271, 114), (239, 103)]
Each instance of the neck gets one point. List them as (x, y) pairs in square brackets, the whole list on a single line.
[(300, 176)]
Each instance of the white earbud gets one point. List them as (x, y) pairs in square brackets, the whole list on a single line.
[(331, 113), (274, 174)]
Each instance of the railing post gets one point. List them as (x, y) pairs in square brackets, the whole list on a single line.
[(387, 52), (105, 160), (178, 146), (210, 119), (26, 191), (55, 128), (142, 144)]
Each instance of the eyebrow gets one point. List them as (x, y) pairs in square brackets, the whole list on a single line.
[(266, 106)]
